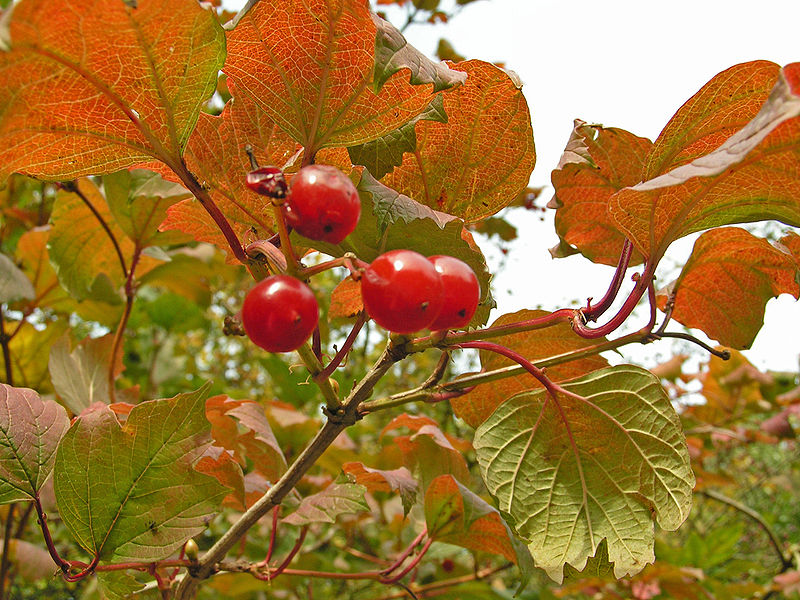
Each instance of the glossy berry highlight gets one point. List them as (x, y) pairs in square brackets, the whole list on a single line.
[(322, 204), (280, 313), (267, 181), (462, 292), (402, 291)]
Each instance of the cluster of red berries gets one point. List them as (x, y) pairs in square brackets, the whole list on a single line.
[(402, 290)]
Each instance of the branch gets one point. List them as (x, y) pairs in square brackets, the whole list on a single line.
[(786, 562), (563, 315), (205, 567)]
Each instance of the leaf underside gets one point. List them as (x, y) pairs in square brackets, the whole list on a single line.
[(601, 461)]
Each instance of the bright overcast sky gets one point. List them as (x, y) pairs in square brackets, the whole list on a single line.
[(628, 64)]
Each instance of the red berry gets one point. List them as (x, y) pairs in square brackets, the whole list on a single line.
[(462, 292), (402, 291), (267, 181), (323, 204), (280, 313)]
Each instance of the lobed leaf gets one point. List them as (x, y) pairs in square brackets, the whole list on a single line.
[(97, 88), (456, 515), (597, 162), (724, 287), (393, 53), (476, 406), (311, 67), (325, 506), (34, 258), (131, 493), (30, 430), (481, 159), (753, 175), (601, 461)]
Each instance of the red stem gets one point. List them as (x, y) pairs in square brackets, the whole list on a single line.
[(517, 358), (405, 554), (562, 315), (287, 561), (272, 535), (346, 347), (410, 566), (48, 539), (642, 283), (193, 185), (593, 312)]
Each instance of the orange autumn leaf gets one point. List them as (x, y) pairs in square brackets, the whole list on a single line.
[(476, 406), (597, 162), (726, 283), (312, 67), (456, 515), (754, 175), (346, 301), (481, 159), (216, 154), (89, 91)]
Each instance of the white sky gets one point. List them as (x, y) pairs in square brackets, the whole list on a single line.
[(622, 63)]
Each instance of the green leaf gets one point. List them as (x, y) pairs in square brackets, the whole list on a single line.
[(390, 221), (130, 492), (139, 200), (122, 585), (456, 515), (393, 52), (602, 460), (323, 507), (382, 155), (30, 350), (14, 285), (81, 250), (80, 377), (30, 429), (596, 566)]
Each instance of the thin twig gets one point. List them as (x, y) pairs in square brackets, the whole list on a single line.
[(5, 562), (723, 354), (5, 342), (73, 187), (346, 347), (786, 562)]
